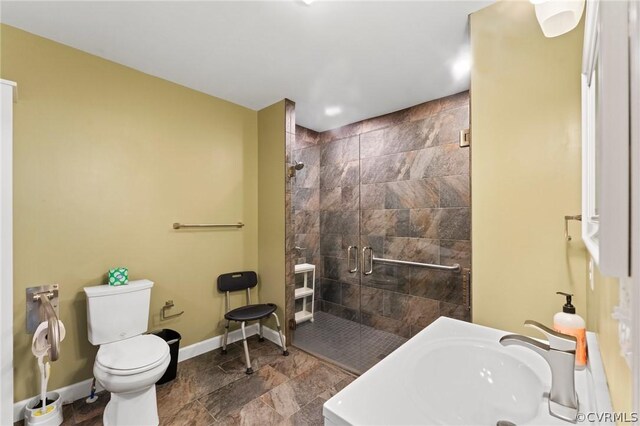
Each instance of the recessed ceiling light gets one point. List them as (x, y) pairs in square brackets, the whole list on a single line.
[(332, 111), (308, 2), (461, 66)]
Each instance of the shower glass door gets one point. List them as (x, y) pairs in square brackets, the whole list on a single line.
[(364, 214), (341, 250), (387, 194), (414, 208), (326, 211)]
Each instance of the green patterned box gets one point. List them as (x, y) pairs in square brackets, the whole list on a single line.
[(118, 276)]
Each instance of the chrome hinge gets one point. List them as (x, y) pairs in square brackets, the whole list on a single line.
[(465, 138), (466, 288)]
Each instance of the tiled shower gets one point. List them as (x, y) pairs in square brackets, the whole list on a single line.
[(400, 185)]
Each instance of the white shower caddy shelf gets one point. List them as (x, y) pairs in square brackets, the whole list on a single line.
[(306, 291)]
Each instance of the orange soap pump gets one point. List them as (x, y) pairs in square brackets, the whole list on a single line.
[(568, 322)]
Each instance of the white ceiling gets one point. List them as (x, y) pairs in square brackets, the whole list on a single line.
[(367, 58)]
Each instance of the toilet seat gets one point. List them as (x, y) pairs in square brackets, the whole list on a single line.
[(132, 356)]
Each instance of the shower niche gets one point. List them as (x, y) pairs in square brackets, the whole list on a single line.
[(389, 188)]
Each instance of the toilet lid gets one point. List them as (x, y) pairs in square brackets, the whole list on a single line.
[(133, 354)]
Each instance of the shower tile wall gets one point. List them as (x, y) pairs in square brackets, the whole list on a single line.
[(414, 189)]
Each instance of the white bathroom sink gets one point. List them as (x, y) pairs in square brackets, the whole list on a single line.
[(500, 386), (456, 373)]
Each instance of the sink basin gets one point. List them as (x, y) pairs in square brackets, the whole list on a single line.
[(457, 373), (477, 384)]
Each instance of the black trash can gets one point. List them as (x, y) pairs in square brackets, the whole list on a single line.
[(172, 337)]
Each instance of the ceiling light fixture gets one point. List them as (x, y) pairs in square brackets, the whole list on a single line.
[(557, 17), (308, 2), (332, 111)]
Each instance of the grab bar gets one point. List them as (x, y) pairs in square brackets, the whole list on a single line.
[(53, 327), (455, 267), (208, 225)]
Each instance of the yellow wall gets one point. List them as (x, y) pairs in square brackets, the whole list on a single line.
[(600, 303), (106, 159), (526, 175), (271, 190), (525, 166)]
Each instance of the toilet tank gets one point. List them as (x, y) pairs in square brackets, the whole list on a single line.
[(117, 312)]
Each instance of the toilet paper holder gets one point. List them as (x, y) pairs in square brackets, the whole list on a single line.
[(35, 309), (163, 312)]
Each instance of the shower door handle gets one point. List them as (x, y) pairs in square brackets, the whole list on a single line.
[(355, 269), (364, 260)]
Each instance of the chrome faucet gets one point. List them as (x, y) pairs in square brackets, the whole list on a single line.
[(560, 354)]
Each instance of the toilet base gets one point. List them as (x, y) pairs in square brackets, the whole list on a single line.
[(132, 409)]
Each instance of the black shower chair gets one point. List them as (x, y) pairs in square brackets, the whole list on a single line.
[(237, 281)]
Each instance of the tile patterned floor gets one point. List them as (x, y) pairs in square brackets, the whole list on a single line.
[(212, 389), (356, 347)]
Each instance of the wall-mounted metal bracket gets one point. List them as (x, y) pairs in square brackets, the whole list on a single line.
[(465, 138), (168, 305), (34, 308), (566, 225)]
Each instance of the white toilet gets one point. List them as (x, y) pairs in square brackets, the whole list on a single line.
[(128, 363)]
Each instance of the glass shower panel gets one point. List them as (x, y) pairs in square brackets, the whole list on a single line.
[(339, 246), (334, 333)]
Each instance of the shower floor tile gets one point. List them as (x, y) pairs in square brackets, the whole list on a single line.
[(349, 344)]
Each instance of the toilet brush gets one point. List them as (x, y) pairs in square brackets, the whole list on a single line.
[(92, 396), (46, 408), (45, 370), (43, 388)]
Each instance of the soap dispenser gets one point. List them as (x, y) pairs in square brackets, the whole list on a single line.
[(568, 322)]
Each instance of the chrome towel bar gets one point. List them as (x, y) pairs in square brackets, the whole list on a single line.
[(207, 225), (455, 267)]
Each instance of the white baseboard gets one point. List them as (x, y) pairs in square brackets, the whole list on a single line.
[(273, 336), (214, 343), (82, 389)]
